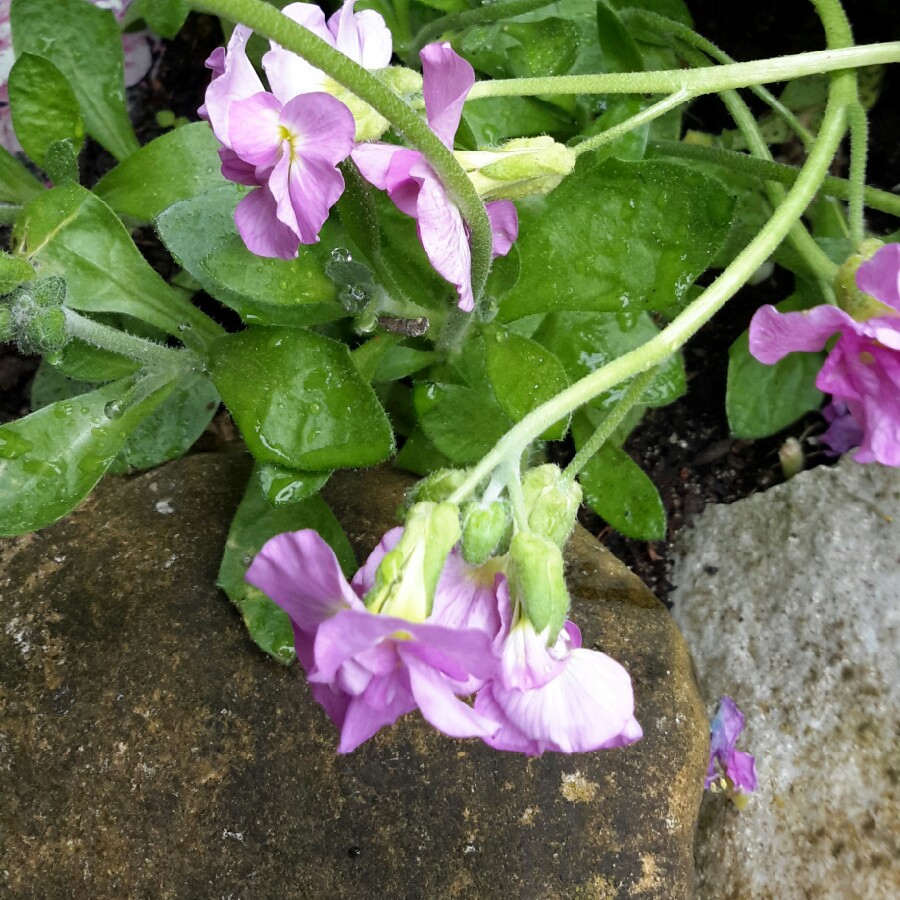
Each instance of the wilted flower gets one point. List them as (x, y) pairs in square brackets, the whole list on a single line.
[(862, 370), (414, 187), (738, 767), (138, 46)]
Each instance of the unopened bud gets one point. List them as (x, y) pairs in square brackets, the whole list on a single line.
[(438, 486), (484, 527), (44, 332), (370, 125), (551, 501), (7, 329), (49, 292), (407, 576), (519, 168), (850, 298), (537, 582), (405, 83)]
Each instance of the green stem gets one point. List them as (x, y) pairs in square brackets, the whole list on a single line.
[(666, 342), (697, 81), (455, 22), (270, 23), (755, 169), (615, 418), (148, 353), (667, 29), (859, 146), (665, 105)]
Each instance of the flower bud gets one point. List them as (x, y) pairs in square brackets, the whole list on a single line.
[(551, 501), (484, 527), (519, 168), (850, 298), (44, 332), (536, 581), (370, 125), (407, 576), (438, 486), (7, 328)]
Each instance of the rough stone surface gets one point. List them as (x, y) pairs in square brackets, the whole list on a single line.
[(148, 750), (788, 601)]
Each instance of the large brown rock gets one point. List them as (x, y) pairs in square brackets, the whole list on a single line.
[(147, 749)]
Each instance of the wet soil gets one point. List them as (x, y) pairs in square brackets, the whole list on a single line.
[(686, 447)]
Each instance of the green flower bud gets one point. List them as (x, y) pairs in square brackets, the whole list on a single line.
[(484, 527), (519, 168), (44, 332), (405, 83), (537, 582), (370, 125), (49, 292), (850, 298), (438, 486), (551, 501), (407, 576)]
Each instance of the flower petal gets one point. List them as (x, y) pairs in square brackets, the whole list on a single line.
[(504, 225), (374, 161), (301, 573), (880, 276), (314, 186), (362, 720), (237, 81), (362, 36), (320, 127), (364, 580), (466, 597), (289, 74), (773, 334), (254, 130), (443, 236), (257, 222), (446, 81)]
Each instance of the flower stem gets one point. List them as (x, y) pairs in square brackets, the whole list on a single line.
[(841, 94), (667, 104), (859, 146), (697, 81), (616, 415), (271, 23), (148, 353), (754, 169)]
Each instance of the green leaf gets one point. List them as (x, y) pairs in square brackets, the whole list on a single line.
[(200, 233), (493, 120), (165, 17), (85, 44), (173, 167), (299, 400), (50, 460), (70, 232), (461, 422), (254, 523), (650, 229), (61, 162), (420, 456), (17, 184), (523, 375), (583, 342), (620, 52), (617, 489), (173, 428), (545, 48), (51, 385), (85, 362), (282, 485), (43, 106), (761, 400), (399, 362), (13, 271)]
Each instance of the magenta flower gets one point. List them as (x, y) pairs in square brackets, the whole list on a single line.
[(416, 190), (739, 767), (139, 48), (367, 670), (562, 698), (862, 369)]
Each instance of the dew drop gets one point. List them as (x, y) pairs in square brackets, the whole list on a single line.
[(114, 409), (13, 445), (315, 407), (184, 326), (341, 254)]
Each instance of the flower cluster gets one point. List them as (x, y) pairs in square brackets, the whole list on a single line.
[(139, 47), (862, 370), (738, 769), (287, 142), (380, 646)]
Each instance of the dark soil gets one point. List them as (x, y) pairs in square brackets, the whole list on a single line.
[(686, 447)]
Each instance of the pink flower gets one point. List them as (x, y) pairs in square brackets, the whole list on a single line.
[(138, 46), (367, 670), (862, 369), (739, 767), (362, 36), (417, 191), (562, 698)]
